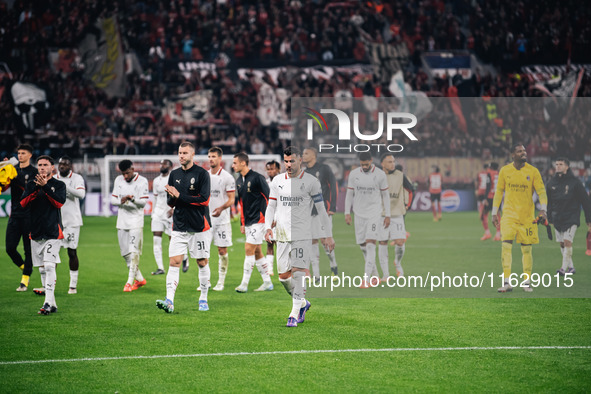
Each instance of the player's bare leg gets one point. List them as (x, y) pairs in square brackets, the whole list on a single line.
[(74, 265)]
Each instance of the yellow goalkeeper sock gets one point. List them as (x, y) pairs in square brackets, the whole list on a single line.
[(506, 259), (25, 280), (527, 260)]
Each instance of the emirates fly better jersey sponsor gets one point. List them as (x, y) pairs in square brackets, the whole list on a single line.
[(367, 188), (295, 199)]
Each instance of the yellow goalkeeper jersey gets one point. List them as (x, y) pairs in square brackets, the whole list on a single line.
[(518, 187)]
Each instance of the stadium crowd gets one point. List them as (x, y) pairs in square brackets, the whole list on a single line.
[(84, 120)]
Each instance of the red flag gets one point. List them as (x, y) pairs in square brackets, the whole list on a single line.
[(456, 106)]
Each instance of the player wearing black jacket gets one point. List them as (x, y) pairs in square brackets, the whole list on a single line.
[(19, 222), (330, 193), (253, 194), (188, 192), (566, 195), (44, 197)]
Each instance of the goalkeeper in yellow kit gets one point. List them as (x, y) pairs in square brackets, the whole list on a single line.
[(517, 181)]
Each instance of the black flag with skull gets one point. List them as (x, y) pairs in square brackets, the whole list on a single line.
[(31, 107)]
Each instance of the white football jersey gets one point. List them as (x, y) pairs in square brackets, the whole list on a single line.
[(220, 184), (295, 198), (367, 188), (130, 215), (75, 191), (160, 207)]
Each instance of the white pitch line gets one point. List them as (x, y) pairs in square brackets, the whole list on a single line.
[(392, 350)]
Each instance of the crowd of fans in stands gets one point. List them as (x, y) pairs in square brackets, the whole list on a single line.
[(84, 120)]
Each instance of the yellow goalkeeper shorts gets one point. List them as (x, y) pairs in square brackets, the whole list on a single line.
[(522, 233)]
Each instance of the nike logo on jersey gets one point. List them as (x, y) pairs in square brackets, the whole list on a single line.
[(178, 180)]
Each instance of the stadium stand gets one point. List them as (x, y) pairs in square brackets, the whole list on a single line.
[(166, 36)]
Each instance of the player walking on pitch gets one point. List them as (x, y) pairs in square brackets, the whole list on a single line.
[(71, 216), (328, 183), (223, 190), (273, 169), (130, 194), (517, 182), (291, 199), (161, 214), (566, 195), (45, 196), (398, 185), (19, 222), (367, 193), (188, 192), (253, 193)]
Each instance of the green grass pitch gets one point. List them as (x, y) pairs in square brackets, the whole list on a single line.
[(447, 340)]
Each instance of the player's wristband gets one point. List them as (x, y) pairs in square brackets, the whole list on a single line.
[(495, 210)]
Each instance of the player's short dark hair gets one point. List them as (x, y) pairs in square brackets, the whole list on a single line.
[(184, 144), (125, 165), (216, 149), (485, 166), (45, 157), (515, 146), (565, 160), (65, 158), (398, 167), (386, 155), (365, 156), (313, 150), (274, 163), (242, 157), (494, 165), (436, 168), (292, 150), (166, 161), (26, 147)]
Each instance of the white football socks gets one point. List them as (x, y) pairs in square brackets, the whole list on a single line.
[(42, 274), (248, 267), (73, 279), (172, 281), (204, 276), (263, 269), (297, 293), (223, 268), (315, 261), (50, 280), (158, 252), (370, 260), (383, 255)]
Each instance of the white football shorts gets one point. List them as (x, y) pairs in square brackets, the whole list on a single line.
[(71, 237), (568, 235), (197, 244), (367, 228), (395, 230), (45, 251), (130, 241), (255, 233), (294, 254), (222, 235)]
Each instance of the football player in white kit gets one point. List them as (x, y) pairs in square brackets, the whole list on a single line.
[(222, 195), (161, 213), (71, 215), (130, 194), (367, 193), (273, 169), (292, 196)]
